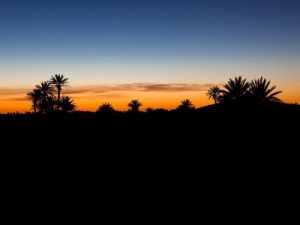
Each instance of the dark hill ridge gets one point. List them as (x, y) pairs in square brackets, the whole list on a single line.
[(267, 107)]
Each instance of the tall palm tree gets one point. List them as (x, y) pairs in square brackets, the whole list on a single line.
[(186, 105), (67, 104), (214, 93), (35, 97), (134, 105), (105, 108), (235, 89), (261, 91), (46, 90), (59, 81)]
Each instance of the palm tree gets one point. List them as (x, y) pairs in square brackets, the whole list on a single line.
[(235, 89), (35, 97), (67, 104), (186, 105), (51, 103), (59, 81), (105, 108), (214, 93), (134, 105), (261, 92), (149, 110), (46, 90)]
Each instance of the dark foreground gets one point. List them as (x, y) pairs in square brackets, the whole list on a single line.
[(218, 152), (207, 129)]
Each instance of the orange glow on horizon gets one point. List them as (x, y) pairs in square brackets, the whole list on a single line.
[(15, 106), (153, 100), (90, 101), (119, 100)]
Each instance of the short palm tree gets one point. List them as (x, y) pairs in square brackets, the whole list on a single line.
[(35, 97), (67, 104), (235, 89), (59, 81), (214, 93), (105, 108), (261, 91), (51, 103), (186, 105), (134, 105), (149, 110)]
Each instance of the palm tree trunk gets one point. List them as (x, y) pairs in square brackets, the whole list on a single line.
[(58, 94), (58, 99), (44, 104)]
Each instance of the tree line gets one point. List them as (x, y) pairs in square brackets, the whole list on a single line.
[(46, 96)]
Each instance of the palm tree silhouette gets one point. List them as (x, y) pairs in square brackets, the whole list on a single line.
[(261, 92), (34, 96), (51, 103), (149, 110), (235, 89), (67, 104), (46, 90), (59, 81), (186, 105), (214, 93), (105, 108), (134, 105)]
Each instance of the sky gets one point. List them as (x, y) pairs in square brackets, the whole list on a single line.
[(159, 51)]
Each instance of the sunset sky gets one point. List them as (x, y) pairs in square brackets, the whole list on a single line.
[(159, 51)]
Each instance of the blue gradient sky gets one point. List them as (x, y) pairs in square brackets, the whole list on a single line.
[(123, 41)]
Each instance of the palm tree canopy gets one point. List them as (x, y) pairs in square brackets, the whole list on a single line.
[(106, 108), (135, 104), (149, 110), (186, 104), (59, 81), (45, 88), (34, 94), (235, 88), (261, 91), (67, 104), (214, 93)]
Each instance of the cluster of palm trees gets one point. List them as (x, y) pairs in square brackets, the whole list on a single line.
[(43, 96), (134, 107), (44, 100), (239, 90)]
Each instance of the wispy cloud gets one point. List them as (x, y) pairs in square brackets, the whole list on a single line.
[(14, 99), (112, 91), (13, 91), (11, 94), (139, 87)]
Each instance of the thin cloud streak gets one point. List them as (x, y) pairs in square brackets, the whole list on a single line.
[(14, 99), (12, 91), (113, 91), (139, 87)]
